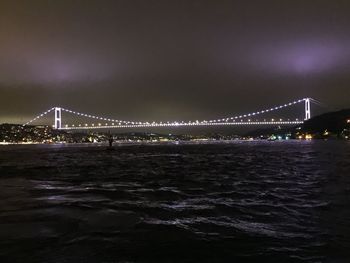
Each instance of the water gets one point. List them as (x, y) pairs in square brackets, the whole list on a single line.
[(216, 202)]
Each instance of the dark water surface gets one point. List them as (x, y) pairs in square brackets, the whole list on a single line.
[(219, 202)]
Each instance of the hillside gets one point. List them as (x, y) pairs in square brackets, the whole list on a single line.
[(333, 122), (328, 125)]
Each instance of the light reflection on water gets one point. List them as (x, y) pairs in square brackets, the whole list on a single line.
[(253, 201)]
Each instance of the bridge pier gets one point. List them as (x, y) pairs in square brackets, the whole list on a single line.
[(58, 118), (307, 109)]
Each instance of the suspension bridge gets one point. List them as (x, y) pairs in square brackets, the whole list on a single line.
[(237, 120)]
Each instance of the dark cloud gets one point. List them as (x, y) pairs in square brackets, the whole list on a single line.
[(150, 60)]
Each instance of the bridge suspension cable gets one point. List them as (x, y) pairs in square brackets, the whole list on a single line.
[(102, 118), (39, 116), (261, 111)]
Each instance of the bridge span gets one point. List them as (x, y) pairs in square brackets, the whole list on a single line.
[(248, 119)]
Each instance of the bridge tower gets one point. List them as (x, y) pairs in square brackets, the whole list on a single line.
[(58, 118), (307, 109)]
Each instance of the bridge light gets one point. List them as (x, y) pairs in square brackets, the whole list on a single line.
[(308, 136)]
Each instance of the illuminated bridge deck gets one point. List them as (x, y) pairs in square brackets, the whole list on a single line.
[(181, 125)]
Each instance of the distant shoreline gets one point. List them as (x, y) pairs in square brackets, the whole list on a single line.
[(118, 143)]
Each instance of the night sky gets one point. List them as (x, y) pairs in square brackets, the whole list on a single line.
[(171, 60)]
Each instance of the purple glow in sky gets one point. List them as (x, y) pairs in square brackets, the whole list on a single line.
[(307, 58), (301, 58)]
